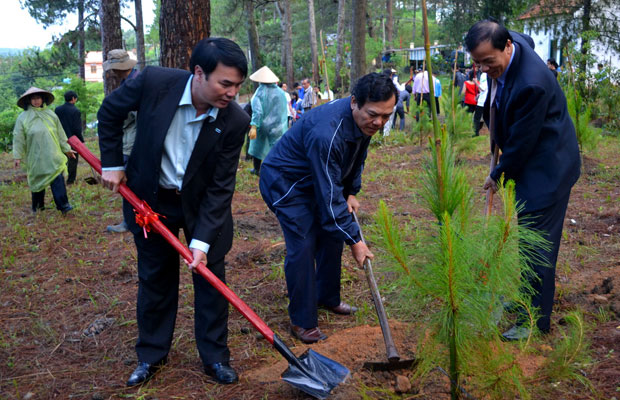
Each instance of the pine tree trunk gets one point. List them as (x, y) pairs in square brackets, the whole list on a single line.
[(182, 24), (358, 41), (111, 38), (255, 56), (140, 34), (389, 23), (369, 24), (338, 84), (313, 45), (415, 5), (284, 9), (81, 51), (585, 26)]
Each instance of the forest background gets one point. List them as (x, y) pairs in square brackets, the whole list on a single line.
[(335, 39)]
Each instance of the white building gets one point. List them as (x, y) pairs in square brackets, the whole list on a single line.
[(549, 41)]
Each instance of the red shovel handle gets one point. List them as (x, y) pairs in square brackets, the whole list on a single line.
[(144, 210)]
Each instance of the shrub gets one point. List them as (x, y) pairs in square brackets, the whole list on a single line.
[(8, 116)]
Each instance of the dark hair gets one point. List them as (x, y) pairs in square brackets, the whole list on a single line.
[(387, 71), (552, 62), (487, 30), (69, 95), (373, 87), (470, 75), (408, 88), (209, 52), (296, 85), (295, 95)]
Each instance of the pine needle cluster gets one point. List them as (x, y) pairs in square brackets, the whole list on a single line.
[(462, 269), (423, 126), (458, 122), (571, 354)]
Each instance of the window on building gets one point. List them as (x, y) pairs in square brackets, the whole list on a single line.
[(93, 68)]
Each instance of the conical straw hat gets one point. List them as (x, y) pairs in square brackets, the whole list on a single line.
[(264, 75), (24, 101)]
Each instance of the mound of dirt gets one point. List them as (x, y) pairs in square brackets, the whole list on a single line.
[(351, 347)]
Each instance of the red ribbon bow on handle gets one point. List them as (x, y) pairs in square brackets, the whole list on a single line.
[(146, 217)]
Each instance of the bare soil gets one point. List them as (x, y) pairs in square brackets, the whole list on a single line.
[(67, 316)]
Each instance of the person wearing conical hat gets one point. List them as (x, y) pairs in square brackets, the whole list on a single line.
[(269, 116), (40, 146)]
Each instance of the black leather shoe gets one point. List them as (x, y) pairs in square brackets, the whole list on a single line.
[(222, 373), (144, 372)]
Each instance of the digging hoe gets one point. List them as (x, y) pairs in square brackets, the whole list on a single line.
[(394, 361), (312, 372)]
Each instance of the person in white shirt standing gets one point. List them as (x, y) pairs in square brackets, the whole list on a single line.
[(289, 110), (481, 82)]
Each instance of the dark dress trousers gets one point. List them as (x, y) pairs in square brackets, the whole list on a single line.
[(71, 121), (202, 208), (540, 153)]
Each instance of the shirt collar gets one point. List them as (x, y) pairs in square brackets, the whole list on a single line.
[(502, 79), (186, 100)]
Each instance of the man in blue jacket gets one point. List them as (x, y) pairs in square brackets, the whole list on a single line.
[(310, 180), (529, 121)]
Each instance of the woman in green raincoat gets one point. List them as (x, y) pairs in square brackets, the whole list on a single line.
[(269, 116), (40, 143)]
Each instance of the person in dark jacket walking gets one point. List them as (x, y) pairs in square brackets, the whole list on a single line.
[(526, 111), (310, 180), (71, 120)]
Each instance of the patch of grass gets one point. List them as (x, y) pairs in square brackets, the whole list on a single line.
[(571, 354), (366, 314), (376, 392)]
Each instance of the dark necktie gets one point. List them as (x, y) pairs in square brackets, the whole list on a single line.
[(498, 94)]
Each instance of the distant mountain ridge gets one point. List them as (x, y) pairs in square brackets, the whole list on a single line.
[(6, 51)]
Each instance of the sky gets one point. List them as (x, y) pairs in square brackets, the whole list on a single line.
[(19, 30)]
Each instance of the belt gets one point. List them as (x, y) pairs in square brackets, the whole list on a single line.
[(165, 191)]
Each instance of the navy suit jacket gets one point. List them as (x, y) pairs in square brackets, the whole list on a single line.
[(70, 119), (534, 131), (209, 180)]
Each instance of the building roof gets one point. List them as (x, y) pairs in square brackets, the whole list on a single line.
[(546, 8)]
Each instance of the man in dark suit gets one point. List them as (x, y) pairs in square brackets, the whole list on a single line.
[(530, 123), (71, 120), (183, 164)]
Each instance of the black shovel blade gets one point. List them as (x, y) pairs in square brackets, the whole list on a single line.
[(317, 376)]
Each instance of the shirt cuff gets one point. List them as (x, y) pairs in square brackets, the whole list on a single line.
[(202, 246), (113, 169)]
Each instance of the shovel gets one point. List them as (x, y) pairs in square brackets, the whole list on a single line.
[(312, 372), (394, 361)]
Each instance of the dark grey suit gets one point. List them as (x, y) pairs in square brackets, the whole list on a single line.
[(202, 209)]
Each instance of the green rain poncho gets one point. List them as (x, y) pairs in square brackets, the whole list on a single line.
[(270, 116), (40, 143)]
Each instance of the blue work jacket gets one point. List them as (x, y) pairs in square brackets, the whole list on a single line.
[(316, 165)]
